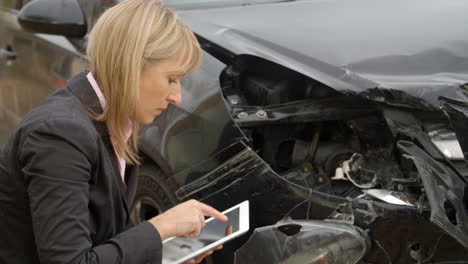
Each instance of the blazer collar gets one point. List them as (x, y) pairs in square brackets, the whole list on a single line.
[(80, 87)]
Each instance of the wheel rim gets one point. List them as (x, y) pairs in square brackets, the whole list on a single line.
[(144, 209)]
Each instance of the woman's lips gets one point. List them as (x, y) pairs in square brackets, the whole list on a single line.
[(159, 111)]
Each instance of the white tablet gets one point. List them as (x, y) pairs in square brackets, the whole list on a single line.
[(179, 249)]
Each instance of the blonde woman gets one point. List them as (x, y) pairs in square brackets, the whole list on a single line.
[(69, 171)]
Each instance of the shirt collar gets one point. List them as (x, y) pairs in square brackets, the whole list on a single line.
[(102, 101)]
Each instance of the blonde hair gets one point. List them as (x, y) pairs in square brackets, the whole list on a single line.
[(127, 38)]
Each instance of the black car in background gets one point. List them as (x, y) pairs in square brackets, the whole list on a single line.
[(345, 123)]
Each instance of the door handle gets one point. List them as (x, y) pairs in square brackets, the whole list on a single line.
[(8, 53)]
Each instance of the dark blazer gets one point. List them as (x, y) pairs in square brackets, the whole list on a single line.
[(62, 199)]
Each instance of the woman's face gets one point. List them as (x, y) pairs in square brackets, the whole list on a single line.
[(159, 87)]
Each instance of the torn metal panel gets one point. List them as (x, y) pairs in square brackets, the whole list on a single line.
[(393, 197), (240, 164), (336, 108), (350, 53), (405, 123), (444, 189), (457, 112), (447, 142), (396, 98), (366, 211), (301, 241)]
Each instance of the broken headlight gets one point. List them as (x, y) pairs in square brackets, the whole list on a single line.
[(305, 241), (446, 141)]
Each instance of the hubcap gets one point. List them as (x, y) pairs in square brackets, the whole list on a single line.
[(144, 209)]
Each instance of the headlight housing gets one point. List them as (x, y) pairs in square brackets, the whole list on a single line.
[(446, 141)]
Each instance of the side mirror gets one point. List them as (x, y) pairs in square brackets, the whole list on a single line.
[(58, 17)]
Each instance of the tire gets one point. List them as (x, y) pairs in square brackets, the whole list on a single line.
[(153, 195)]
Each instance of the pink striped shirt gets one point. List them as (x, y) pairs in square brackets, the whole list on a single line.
[(128, 127)]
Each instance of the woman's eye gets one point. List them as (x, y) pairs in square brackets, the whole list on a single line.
[(174, 79)]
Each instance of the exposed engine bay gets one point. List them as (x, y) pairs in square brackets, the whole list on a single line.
[(322, 139), (350, 145)]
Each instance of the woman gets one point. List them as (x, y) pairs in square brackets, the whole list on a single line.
[(68, 173)]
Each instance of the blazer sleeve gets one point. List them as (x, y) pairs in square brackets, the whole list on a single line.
[(56, 161)]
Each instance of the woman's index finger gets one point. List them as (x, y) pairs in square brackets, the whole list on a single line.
[(210, 211)]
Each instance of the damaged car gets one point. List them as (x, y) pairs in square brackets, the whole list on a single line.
[(344, 123)]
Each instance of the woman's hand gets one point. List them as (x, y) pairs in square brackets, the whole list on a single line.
[(186, 219), (200, 257)]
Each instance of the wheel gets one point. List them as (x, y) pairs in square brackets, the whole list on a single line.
[(153, 195)]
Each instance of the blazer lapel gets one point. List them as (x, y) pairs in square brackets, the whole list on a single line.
[(131, 178), (82, 89)]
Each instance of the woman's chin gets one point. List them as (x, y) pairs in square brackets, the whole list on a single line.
[(149, 120), (146, 120)]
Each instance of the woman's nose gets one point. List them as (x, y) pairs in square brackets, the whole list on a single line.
[(176, 96)]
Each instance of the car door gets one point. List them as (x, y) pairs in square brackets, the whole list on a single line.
[(32, 66)]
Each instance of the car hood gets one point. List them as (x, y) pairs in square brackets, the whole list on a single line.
[(419, 47)]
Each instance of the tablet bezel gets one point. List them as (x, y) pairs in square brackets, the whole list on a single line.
[(243, 228)]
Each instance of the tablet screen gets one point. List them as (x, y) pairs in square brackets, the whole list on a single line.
[(214, 230)]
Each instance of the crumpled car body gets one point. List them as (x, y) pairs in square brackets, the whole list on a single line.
[(339, 111), (344, 123)]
